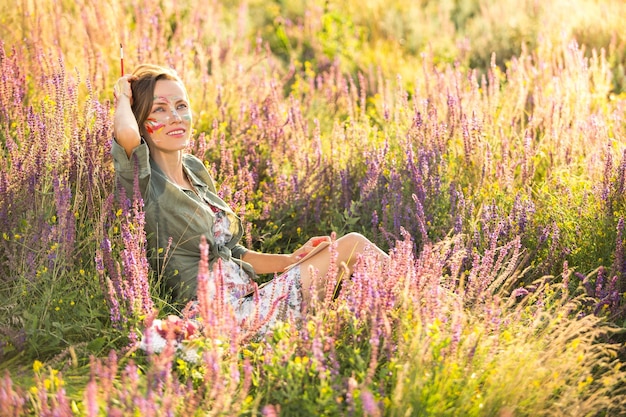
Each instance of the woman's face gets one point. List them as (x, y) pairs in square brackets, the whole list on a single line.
[(169, 122)]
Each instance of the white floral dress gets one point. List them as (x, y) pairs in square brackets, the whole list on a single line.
[(283, 293)]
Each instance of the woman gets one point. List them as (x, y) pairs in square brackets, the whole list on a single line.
[(152, 127)]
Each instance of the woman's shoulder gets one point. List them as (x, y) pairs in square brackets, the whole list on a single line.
[(197, 167), (193, 162)]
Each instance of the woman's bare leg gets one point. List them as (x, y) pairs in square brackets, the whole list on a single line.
[(348, 248)]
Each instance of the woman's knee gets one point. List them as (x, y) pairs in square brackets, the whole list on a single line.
[(353, 241)]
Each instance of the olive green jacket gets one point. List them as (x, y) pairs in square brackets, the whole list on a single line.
[(176, 218)]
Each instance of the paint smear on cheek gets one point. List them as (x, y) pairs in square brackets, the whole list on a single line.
[(186, 117), (153, 126)]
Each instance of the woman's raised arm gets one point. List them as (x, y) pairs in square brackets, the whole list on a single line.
[(125, 128)]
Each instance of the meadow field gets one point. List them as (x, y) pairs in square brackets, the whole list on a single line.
[(482, 143)]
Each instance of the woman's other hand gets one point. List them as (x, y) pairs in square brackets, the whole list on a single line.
[(311, 244)]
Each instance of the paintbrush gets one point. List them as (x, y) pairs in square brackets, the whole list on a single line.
[(122, 58)]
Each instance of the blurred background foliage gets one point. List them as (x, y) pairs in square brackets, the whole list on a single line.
[(477, 117)]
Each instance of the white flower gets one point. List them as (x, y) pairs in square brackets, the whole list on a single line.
[(152, 341), (189, 354)]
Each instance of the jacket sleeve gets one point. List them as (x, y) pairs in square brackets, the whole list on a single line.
[(127, 168), (238, 251)]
